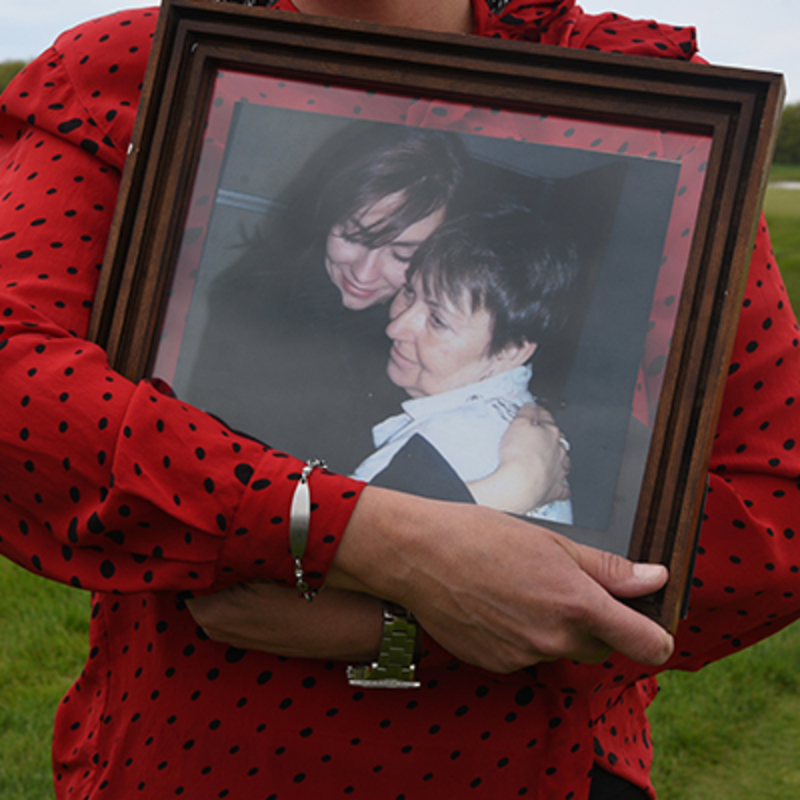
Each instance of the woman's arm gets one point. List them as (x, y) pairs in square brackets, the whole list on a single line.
[(108, 485), (533, 470), (338, 625), (492, 590)]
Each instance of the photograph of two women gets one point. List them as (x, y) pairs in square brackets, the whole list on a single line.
[(449, 314)]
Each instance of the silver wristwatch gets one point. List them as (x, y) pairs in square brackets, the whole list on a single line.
[(397, 659)]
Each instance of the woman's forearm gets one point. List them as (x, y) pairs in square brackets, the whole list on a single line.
[(338, 625), (494, 591)]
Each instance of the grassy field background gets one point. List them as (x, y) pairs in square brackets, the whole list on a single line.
[(730, 731), (782, 206), (43, 644)]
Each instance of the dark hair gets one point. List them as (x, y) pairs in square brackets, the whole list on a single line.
[(502, 261), (359, 165), (367, 162)]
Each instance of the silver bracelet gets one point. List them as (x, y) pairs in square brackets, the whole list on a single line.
[(299, 520), (397, 660)]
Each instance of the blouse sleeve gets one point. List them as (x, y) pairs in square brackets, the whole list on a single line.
[(746, 580), (106, 484)]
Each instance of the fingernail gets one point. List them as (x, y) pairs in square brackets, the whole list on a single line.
[(649, 572), (669, 646)]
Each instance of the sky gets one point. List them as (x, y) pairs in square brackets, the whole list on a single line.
[(759, 35)]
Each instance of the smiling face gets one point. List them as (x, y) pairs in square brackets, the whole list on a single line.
[(438, 345), (366, 276)]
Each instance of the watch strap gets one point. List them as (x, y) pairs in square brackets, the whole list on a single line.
[(395, 667)]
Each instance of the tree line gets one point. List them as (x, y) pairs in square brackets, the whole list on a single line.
[(8, 69), (787, 149)]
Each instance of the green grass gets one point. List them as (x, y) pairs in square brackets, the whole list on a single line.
[(782, 203), (785, 172), (731, 730), (782, 207), (785, 232), (43, 644)]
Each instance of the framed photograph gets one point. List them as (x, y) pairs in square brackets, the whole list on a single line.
[(390, 249)]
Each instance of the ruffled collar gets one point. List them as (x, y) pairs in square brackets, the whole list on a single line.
[(517, 19)]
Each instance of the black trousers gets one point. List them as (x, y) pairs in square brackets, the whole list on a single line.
[(606, 786)]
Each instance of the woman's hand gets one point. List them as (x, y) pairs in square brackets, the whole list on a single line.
[(534, 465), (338, 625), (496, 591)]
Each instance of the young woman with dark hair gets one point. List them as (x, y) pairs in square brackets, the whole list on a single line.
[(305, 304)]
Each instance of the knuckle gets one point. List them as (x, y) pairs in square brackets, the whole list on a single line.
[(554, 646), (577, 615), (513, 657), (616, 567)]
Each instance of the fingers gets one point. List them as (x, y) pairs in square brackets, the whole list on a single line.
[(584, 649), (559, 486), (560, 465), (535, 415), (632, 634), (561, 490), (624, 629), (620, 576)]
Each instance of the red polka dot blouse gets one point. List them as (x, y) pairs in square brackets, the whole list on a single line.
[(129, 493)]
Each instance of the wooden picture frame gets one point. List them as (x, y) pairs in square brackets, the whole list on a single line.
[(651, 171)]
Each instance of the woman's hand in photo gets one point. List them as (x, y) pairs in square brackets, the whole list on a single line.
[(534, 465)]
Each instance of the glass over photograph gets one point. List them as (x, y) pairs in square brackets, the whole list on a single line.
[(466, 303)]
